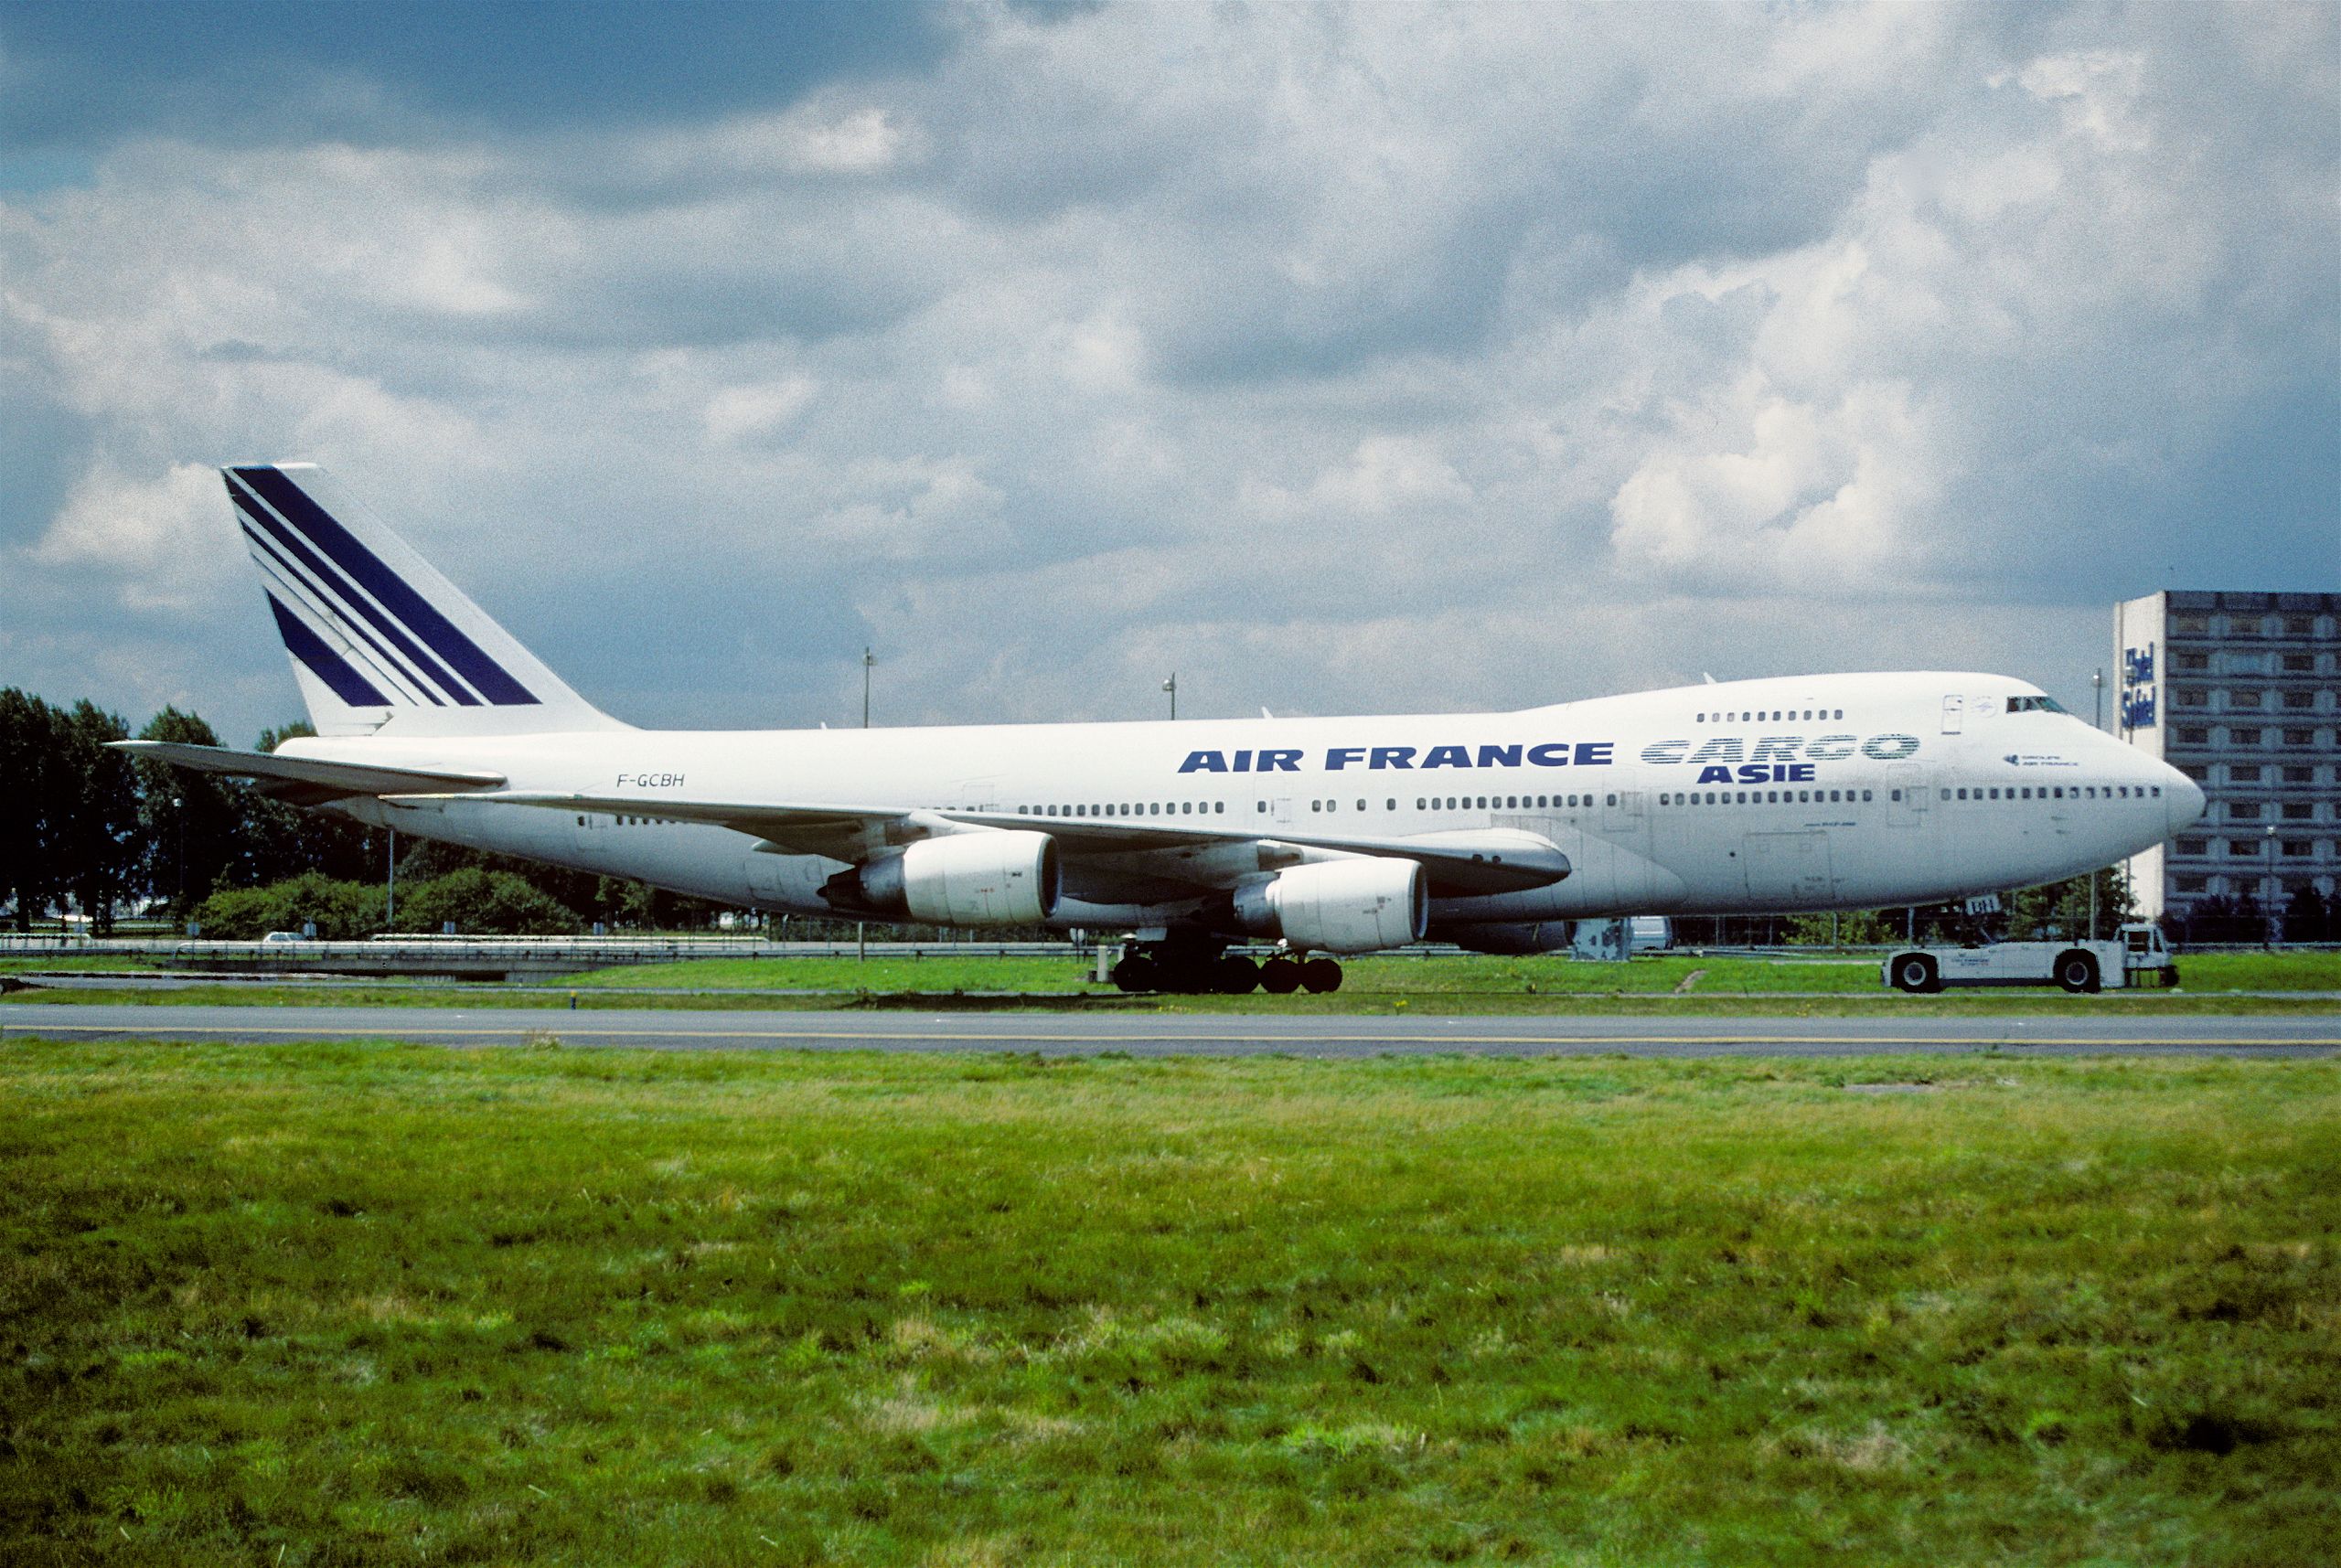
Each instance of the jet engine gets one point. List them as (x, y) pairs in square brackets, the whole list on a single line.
[(966, 878), (1340, 906)]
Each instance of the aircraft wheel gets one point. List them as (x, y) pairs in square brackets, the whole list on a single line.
[(1137, 972), (1236, 974), (2076, 972), (1320, 976), (1280, 976), (1915, 973)]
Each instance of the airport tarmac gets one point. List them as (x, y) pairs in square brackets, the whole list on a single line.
[(1164, 1034)]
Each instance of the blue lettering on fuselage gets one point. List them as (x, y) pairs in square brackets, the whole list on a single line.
[(1758, 772), (1377, 759)]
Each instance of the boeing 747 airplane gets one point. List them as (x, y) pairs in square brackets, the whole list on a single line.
[(1327, 835)]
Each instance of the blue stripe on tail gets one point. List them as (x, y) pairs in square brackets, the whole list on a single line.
[(354, 606), (487, 676), (297, 582), (322, 662)]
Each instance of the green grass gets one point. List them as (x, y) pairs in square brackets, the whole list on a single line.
[(354, 1305)]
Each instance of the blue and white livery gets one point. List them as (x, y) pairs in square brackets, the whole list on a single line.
[(1329, 836)]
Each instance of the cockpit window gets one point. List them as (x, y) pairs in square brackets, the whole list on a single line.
[(2033, 705)]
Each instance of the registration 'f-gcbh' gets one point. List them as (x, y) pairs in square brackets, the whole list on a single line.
[(1331, 835)]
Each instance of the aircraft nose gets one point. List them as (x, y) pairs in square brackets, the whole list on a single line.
[(2186, 798)]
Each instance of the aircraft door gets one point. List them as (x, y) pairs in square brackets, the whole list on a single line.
[(1955, 714), (1906, 795), (1280, 811)]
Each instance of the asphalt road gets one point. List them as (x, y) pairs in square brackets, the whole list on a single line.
[(1156, 1034)]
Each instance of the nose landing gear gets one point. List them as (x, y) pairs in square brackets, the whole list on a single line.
[(1197, 968)]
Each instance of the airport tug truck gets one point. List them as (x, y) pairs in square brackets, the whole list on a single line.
[(2135, 957)]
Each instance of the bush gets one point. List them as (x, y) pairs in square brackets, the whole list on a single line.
[(482, 902), (342, 912)]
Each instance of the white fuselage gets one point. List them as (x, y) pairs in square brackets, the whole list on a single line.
[(1810, 793)]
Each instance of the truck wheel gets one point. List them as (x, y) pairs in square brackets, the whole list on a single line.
[(2076, 972), (1915, 973)]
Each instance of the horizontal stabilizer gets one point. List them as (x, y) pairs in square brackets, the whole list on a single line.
[(338, 779)]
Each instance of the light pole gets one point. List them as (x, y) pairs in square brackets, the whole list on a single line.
[(2097, 685), (390, 901), (1171, 686), (867, 662)]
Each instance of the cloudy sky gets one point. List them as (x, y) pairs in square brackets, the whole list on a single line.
[(1341, 359)]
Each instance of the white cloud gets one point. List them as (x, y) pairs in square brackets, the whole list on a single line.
[(1343, 358), (157, 540)]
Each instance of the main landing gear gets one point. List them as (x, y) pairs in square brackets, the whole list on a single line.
[(1197, 968)]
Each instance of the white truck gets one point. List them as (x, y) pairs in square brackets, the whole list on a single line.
[(2135, 957)]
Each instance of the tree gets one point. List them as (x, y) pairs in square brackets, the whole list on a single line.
[(29, 866), (96, 830), (2309, 917), (478, 901), (195, 827), (341, 911), (286, 840)]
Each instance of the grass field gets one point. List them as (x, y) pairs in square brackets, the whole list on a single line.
[(356, 1304)]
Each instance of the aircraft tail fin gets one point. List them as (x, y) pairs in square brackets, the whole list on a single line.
[(381, 641)]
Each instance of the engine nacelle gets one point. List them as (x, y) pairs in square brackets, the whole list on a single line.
[(1340, 906), (966, 878)]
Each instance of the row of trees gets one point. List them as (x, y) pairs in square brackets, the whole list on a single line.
[(90, 830), (2306, 916)]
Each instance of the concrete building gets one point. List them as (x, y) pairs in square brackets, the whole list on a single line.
[(2241, 692)]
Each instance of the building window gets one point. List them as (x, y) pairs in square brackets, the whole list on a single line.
[(2243, 700), (2243, 772), (2194, 846), (2299, 737), (2243, 737), (2193, 661), (2190, 736), (2296, 848), (2192, 625), (2238, 848), (2300, 701), (2299, 775), (2299, 627), (2299, 664), (2191, 697), (2299, 811), (2191, 884), (2244, 811)]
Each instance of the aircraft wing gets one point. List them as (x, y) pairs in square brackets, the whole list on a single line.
[(1459, 863), (307, 775)]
